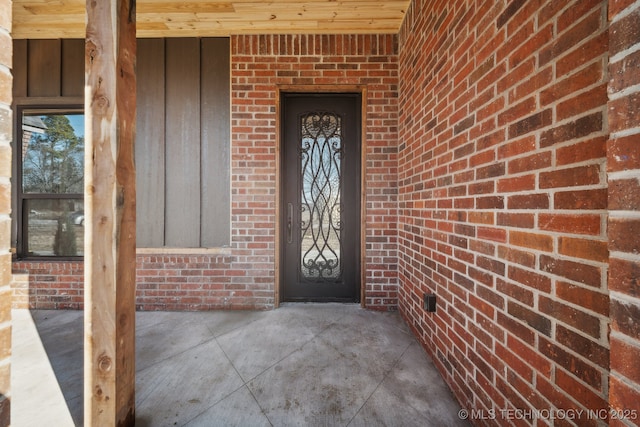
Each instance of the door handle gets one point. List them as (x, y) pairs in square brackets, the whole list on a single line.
[(289, 223)]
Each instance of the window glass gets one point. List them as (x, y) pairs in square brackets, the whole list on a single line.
[(51, 204), (52, 153), (55, 227)]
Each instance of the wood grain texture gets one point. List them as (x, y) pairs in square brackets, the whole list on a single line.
[(216, 156), (182, 221), (172, 18), (72, 66), (20, 68), (150, 143), (110, 105), (43, 63), (207, 151)]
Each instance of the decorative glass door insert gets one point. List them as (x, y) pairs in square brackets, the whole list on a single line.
[(320, 258), (321, 196)]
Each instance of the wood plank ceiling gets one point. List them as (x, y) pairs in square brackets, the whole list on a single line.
[(51, 19)]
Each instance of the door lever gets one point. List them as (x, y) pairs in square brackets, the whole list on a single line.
[(289, 223)]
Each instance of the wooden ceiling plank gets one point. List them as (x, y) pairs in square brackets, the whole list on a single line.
[(184, 7), (176, 18)]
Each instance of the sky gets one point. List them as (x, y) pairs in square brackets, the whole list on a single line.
[(77, 121)]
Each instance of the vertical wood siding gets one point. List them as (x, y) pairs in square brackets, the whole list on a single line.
[(150, 143), (215, 137), (72, 68), (43, 68), (183, 148), (183, 130)]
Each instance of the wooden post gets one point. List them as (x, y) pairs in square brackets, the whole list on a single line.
[(110, 207)]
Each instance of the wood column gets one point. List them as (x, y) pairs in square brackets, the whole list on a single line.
[(6, 123), (110, 208)]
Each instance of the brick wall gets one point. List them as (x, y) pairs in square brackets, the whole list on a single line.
[(5, 210), (171, 282), (623, 165), (242, 276), (258, 65), (503, 201), (48, 285)]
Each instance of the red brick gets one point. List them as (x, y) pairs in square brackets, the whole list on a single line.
[(623, 112), (582, 103), (509, 12), (514, 362), (594, 250), (617, 6), (530, 279), (578, 295), (495, 234), (574, 224), (584, 29), (624, 195), (581, 199), (584, 53), (624, 359), (559, 398), (571, 270), (516, 184), (577, 366), (520, 257), (576, 153), (530, 240), (492, 202), (624, 401), (584, 346), (581, 393), (572, 84), (528, 201), (519, 110), (529, 354), (532, 318), (624, 33), (623, 235), (520, 220), (516, 292), (624, 72), (583, 175), (624, 317), (554, 154), (530, 163), (529, 124), (623, 153), (624, 276)]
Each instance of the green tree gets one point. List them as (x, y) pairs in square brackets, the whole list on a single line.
[(54, 160)]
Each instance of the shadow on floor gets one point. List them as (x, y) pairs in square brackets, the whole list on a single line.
[(302, 364)]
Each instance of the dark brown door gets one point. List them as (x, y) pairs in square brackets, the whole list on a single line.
[(321, 197)]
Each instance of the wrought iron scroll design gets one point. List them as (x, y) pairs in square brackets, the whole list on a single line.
[(321, 154)]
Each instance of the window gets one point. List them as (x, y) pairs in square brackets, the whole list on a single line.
[(50, 182)]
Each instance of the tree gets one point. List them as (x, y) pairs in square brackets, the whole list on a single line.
[(54, 160)]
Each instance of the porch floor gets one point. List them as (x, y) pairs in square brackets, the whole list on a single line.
[(302, 364)]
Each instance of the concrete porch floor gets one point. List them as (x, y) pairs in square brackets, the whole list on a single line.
[(302, 364)]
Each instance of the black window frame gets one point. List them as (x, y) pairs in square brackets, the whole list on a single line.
[(22, 198)]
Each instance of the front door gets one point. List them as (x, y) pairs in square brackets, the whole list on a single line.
[(320, 257)]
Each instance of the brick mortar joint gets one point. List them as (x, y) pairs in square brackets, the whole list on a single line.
[(633, 7), (624, 380), (624, 298)]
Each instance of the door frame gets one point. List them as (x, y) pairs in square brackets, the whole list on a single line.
[(319, 89)]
